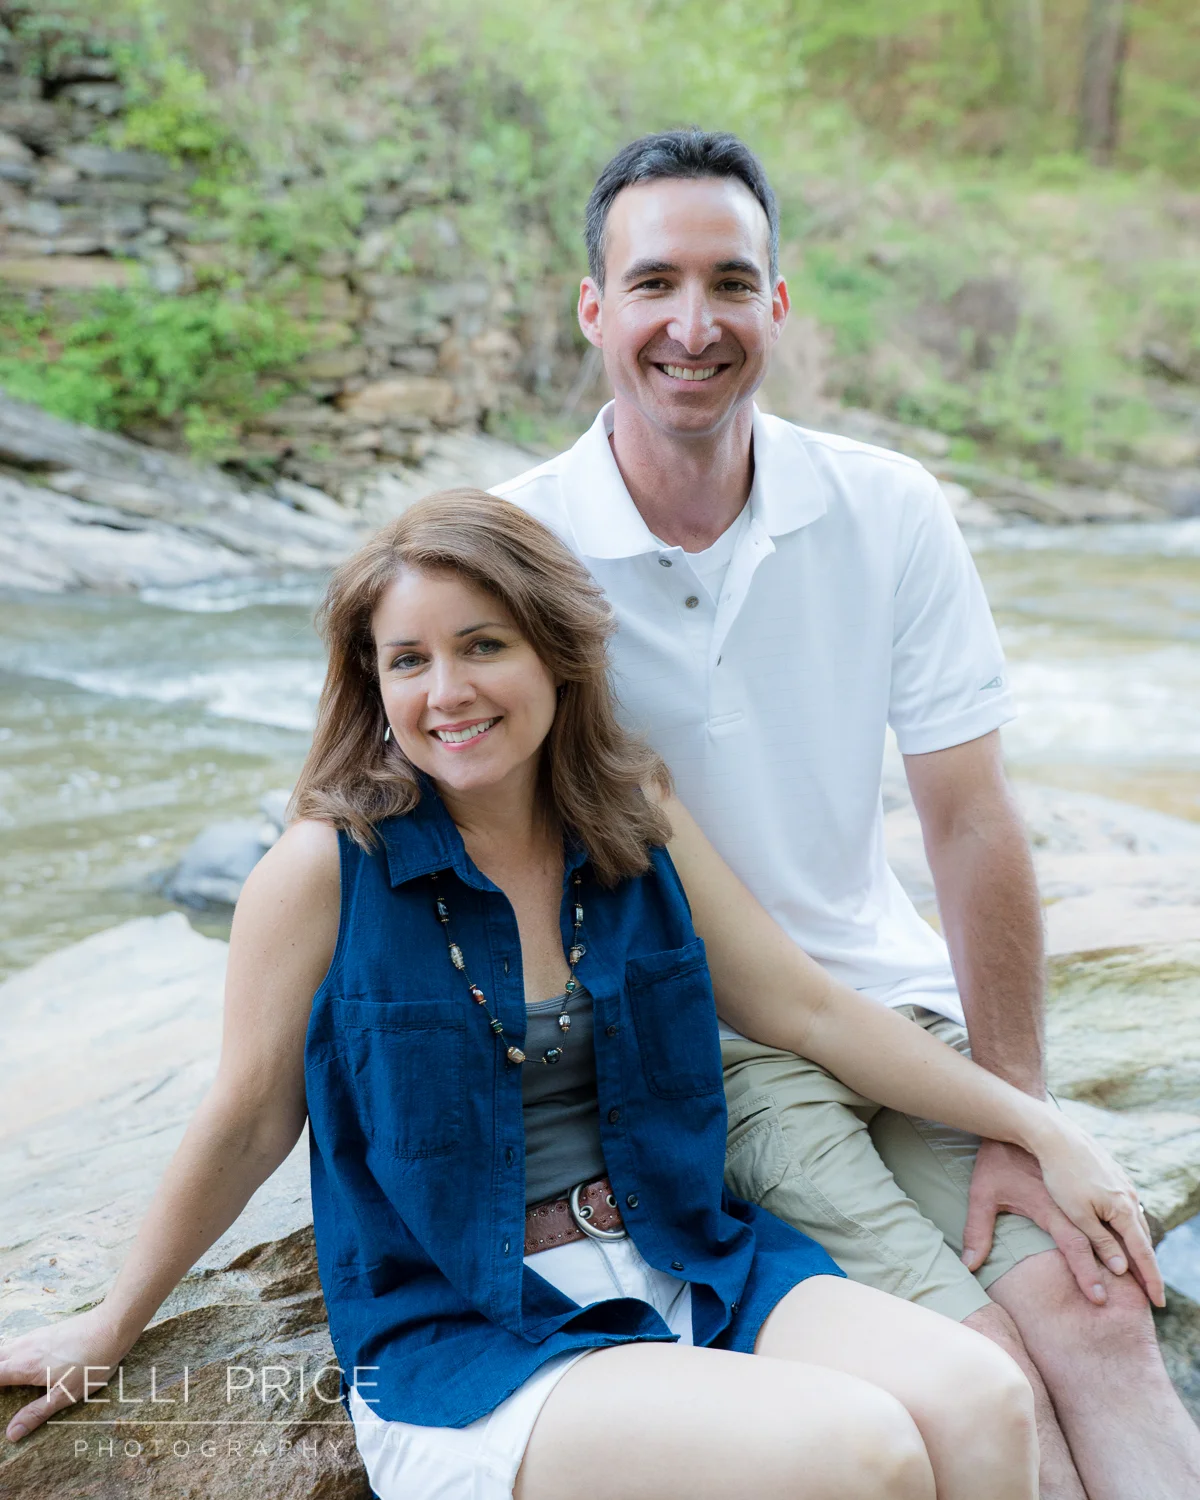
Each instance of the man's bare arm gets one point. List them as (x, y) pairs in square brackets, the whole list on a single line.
[(987, 894)]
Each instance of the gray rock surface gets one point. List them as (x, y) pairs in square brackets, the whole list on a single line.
[(107, 513), (216, 863), (109, 1047), (1122, 887), (93, 510)]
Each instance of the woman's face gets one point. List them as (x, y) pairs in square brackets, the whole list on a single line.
[(469, 701)]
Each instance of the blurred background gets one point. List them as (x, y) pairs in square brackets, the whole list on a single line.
[(306, 240), (304, 261)]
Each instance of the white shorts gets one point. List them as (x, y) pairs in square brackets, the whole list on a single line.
[(480, 1461)]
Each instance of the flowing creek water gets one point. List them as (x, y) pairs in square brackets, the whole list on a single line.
[(128, 724)]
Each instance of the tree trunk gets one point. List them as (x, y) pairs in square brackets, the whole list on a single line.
[(1100, 86), (1018, 26)]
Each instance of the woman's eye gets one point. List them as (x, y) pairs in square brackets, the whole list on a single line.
[(405, 662), (487, 647)]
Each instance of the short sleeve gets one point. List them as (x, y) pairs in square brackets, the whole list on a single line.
[(949, 682)]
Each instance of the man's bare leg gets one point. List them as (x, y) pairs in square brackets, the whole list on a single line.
[(1129, 1434)]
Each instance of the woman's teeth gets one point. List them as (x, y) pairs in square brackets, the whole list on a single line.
[(681, 372), (457, 736)]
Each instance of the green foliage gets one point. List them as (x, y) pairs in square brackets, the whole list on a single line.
[(842, 294), (206, 363), (172, 111)]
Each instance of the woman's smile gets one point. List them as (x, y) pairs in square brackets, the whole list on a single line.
[(459, 736)]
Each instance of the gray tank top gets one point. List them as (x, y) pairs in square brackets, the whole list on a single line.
[(562, 1119)]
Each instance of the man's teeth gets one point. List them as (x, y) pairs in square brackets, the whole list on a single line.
[(457, 736), (681, 372)]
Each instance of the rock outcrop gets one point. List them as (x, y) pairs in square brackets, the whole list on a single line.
[(82, 509), (1122, 887), (109, 1047)]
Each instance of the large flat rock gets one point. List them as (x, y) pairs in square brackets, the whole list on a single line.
[(94, 510), (109, 1046), (1122, 891)]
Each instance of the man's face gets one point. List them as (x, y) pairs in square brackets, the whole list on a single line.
[(688, 314)]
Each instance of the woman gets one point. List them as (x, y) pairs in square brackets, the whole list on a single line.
[(470, 962)]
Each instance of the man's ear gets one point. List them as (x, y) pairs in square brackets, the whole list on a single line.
[(590, 318), (780, 306)]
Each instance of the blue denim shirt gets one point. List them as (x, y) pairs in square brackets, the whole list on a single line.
[(417, 1138)]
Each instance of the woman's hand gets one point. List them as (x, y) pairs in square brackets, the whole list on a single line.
[(1098, 1197), (54, 1357)]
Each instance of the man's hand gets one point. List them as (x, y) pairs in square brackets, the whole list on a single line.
[(1009, 1180)]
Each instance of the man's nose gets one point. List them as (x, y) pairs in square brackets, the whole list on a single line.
[(693, 325)]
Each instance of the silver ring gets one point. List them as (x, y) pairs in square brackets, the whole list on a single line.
[(582, 1212)]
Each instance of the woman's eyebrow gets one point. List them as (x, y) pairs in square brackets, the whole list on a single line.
[(466, 630)]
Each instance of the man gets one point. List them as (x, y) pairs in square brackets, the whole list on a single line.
[(782, 596)]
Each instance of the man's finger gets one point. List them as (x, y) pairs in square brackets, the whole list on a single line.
[(1077, 1251), (979, 1230)]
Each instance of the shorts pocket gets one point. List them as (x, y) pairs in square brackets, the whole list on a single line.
[(675, 1017), (404, 1062), (755, 1154)]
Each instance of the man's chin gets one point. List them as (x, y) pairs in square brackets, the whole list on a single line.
[(689, 418)]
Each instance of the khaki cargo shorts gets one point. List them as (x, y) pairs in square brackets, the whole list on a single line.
[(884, 1193)]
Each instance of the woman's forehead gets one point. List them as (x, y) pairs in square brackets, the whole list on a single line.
[(434, 599)]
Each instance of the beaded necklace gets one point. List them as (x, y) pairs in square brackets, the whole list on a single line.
[(576, 952)]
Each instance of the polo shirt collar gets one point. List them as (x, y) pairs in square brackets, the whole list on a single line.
[(787, 491)]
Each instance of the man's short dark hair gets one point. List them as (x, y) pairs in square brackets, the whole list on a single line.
[(676, 153)]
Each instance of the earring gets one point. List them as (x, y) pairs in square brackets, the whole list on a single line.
[(387, 734)]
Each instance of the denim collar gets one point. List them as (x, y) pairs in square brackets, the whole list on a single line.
[(426, 841)]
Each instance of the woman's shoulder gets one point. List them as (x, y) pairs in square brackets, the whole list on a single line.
[(300, 871)]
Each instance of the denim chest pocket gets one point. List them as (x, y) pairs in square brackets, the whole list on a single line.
[(675, 1017), (404, 1062)]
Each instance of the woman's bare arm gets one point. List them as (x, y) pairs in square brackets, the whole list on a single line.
[(771, 991), (284, 932)]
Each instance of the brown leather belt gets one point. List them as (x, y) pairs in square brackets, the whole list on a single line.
[(589, 1211)]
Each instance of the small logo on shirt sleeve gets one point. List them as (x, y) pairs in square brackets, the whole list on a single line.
[(996, 682)]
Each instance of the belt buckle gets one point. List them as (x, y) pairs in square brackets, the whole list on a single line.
[(582, 1212)]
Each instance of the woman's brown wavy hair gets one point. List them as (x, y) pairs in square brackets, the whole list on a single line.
[(592, 770)]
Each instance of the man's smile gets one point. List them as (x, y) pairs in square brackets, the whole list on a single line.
[(690, 373)]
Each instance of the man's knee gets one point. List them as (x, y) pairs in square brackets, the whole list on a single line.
[(1066, 1328)]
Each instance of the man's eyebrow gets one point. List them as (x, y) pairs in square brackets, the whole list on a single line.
[(642, 268), (466, 630), (745, 267)]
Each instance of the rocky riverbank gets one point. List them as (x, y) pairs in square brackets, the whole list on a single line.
[(111, 1043), (82, 509)]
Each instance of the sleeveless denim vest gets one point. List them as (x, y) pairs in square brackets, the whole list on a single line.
[(417, 1141)]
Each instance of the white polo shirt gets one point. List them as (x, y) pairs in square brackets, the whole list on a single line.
[(850, 602)]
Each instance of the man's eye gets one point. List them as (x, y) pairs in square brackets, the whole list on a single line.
[(655, 284), (735, 286)]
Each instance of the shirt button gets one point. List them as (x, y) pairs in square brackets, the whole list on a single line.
[(613, 1116), (664, 562), (733, 1307), (508, 1156), (632, 1200), (610, 1031), (691, 601), (677, 1265), (506, 1247)]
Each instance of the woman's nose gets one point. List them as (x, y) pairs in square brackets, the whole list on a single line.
[(450, 685)]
